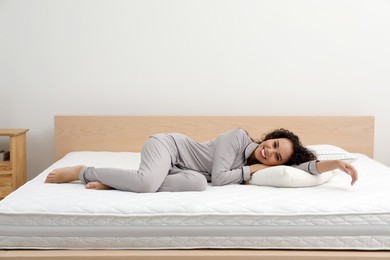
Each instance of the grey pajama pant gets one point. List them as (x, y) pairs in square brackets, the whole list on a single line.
[(156, 172)]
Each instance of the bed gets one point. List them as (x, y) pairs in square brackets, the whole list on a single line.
[(332, 220)]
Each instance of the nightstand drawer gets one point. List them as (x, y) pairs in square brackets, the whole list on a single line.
[(5, 166), (5, 185)]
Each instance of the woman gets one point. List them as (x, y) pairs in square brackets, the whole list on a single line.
[(174, 162)]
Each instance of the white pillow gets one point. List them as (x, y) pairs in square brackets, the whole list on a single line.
[(288, 177), (330, 152)]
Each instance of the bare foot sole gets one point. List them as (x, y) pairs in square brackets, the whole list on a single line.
[(63, 175), (95, 185)]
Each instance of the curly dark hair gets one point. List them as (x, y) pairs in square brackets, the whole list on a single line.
[(300, 154)]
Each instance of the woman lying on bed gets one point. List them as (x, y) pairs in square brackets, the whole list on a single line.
[(174, 162)]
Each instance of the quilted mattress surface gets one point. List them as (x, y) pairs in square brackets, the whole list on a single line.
[(330, 216)]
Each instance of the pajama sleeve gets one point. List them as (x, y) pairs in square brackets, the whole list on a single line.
[(309, 167), (228, 146)]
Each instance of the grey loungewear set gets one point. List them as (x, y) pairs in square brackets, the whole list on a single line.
[(174, 162)]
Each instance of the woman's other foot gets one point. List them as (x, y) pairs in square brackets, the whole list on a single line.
[(95, 185), (64, 175)]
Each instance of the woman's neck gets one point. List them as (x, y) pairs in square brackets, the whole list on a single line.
[(252, 159)]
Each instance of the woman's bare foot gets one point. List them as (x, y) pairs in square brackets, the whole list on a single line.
[(62, 175), (95, 185)]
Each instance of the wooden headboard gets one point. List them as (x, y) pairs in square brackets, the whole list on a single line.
[(128, 133)]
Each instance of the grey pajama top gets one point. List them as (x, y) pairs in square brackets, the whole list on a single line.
[(222, 160)]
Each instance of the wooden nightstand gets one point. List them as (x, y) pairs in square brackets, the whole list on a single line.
[(13, 171)]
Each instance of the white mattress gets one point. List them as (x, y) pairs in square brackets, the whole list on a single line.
[(331, 216)]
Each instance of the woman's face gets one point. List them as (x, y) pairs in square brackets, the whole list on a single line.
[(274, 151)]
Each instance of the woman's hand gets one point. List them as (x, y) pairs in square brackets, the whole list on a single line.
[(255, 167), (324, 166)]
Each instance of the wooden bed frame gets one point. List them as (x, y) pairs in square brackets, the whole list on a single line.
[(127, 133)]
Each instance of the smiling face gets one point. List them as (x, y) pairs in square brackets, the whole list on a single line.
[(274, 151)]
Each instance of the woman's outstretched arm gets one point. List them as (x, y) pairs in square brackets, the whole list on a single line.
[(324, 166)]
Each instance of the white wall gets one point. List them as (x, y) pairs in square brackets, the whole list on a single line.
[(198, 57)]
